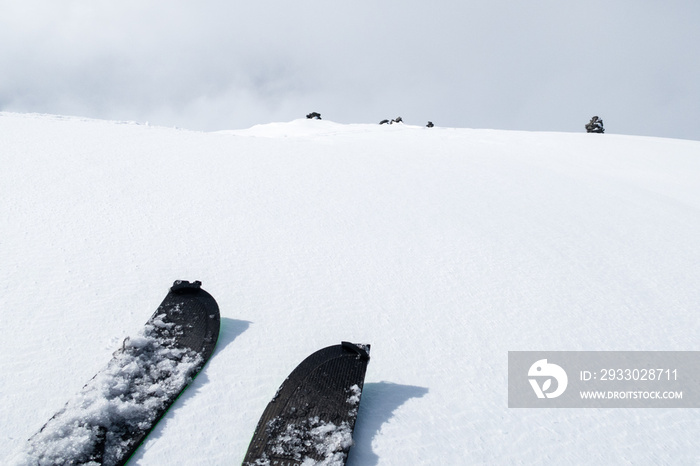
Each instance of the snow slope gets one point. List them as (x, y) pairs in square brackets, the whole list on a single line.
[(443, 248)]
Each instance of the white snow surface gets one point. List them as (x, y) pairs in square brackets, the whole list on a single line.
[(444, 248)]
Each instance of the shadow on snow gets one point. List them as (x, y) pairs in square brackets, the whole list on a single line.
[(379, 401)]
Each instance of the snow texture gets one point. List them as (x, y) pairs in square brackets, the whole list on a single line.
[(311, 437), (354, 399), (443, 247), (141, 379)]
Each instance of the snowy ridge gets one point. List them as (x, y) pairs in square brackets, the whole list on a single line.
[(307, 128), (143, 375)]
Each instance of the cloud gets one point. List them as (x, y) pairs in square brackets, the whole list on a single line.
[(540, 65)]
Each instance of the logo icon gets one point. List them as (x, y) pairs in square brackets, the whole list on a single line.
[(542, 369)]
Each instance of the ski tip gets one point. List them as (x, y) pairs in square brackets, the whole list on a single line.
[(362, 350), (183, 286)]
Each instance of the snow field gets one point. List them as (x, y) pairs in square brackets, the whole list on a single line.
[(443, 248)]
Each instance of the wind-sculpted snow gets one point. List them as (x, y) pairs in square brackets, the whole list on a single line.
[(127, 396)]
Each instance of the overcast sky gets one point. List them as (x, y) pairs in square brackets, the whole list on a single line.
[(545, 65)]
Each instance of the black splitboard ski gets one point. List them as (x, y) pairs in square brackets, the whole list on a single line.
[(114, 412), (311, 418)]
